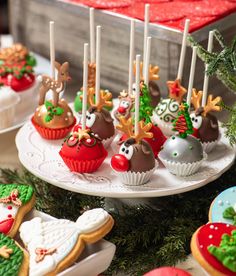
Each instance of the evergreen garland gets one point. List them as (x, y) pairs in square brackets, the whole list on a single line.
[(143, 243)]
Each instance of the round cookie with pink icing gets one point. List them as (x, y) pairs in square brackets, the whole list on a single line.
[(223, 207), (55, 245)]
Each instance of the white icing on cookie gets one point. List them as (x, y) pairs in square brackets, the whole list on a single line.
[(7, 211)]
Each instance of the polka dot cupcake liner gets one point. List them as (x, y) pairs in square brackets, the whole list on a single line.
[(52, 134), (183, 169)]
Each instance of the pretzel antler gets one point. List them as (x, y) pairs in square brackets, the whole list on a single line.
[(104, 100), (143, 131), (196, 98), (153, 72), (212, 104), (126, 126)]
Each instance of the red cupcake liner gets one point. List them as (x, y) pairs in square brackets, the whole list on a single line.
[(52, 134), (83, 166)]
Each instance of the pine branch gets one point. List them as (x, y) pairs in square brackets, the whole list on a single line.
[(219, 38)]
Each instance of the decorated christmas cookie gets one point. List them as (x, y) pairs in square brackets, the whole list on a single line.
[(55, 245), (13, 259), (167, 110), (205, 124), (223, 207), (214, 247), (15, 202), (54, 119), (182, 154), (82, 151)]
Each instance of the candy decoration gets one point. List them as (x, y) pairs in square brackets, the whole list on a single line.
[(176, 91), (5, 252), (12, 198), (42, 252)]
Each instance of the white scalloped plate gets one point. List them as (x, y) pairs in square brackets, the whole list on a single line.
[(41, 158)]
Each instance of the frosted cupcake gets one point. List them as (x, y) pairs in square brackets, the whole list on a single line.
[(8, 102), (182, 154)]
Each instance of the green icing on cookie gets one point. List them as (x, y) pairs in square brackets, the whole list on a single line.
[(226, 252), (229, 213), (10, 266), (25, 191)]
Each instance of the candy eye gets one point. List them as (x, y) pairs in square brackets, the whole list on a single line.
[(90, 119), (126, 104), (127, 151), (196, 121), (134, 87)]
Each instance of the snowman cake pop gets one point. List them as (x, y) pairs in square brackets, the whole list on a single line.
[(167, 110), (182, 154)]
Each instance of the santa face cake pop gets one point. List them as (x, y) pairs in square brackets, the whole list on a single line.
[(182, 154), (54, 119), (205, 125)]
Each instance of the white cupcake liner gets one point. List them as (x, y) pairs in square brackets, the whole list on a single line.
[(28, 98), (209, 146), (136, 178), (165, 127), (183, 169), (108, 141)]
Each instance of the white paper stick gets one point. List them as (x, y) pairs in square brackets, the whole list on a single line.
[(147, 61), (183, 50), (92, 35), (137, 89), (98, 61), (206, 77), (146, 32), (85, 86), (131, 56), (191, 76), (52, 48)]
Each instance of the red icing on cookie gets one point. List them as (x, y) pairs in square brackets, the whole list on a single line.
[(210, 234), (18, 84), (6, 225), (167, 271)]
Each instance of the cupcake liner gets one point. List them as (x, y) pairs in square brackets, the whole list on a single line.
[(80, 166), (166, 128), (136, 178), (183, 169), (209, 146), (107, 142), (52, 134)]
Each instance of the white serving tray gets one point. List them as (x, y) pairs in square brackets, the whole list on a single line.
[(95, 259), (41, 157)]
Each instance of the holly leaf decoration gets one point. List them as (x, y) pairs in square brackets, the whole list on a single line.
[(52, 111), (59, 111), (48, 104), (48, 118), (30, 60), (229, 213)]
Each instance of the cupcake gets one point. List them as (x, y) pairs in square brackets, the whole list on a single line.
[(82, 151), (17, 71), (205, 125), (135, 163), (167, 110), (54, 119), (8, 103), (182, 154)]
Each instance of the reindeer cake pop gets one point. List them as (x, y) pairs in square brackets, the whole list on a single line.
[(167, 110), (135, 162), (82, 151), (54, 119), (205, 124), (182, 154)]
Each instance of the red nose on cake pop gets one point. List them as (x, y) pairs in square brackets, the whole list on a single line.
[(195, 133), (120, 163), (121, 109)]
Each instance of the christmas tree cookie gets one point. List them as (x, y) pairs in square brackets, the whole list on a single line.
[(14, 260), (57, 244), (214, 246), (15, 202), (182, 154)]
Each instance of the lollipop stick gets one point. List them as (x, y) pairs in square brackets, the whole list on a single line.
[(191, 77), (131, 56), (137, 89), (146, 32), (92, 35), (98, 61), (206, 77), (85, 86), (183, 50), (52, 48), (147, 61)]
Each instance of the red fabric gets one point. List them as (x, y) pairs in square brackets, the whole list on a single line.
[(170, 13)]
